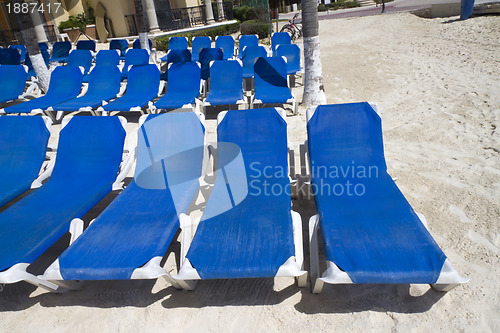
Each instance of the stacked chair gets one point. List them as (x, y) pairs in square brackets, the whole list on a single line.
[(226, 43), (200, 43), (247, 40)]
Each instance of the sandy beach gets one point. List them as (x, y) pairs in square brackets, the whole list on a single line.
[(437, 84)]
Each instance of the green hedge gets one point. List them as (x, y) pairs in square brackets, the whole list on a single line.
[(162, 42), (255, 27), (322, 8), (343, 4), (246, 13)]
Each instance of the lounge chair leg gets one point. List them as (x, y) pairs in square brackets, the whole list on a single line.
[(187, 284), (302, 280), (68, 285), (444, 287), (317, 286)]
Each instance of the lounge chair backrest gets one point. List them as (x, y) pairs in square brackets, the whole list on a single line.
[(250, 54), (86, 45), (247, 40), (199, 43), (89, 148), (292, 54), (271, 76), (12, 80), (137, 44), (61, 49), (107, 58), (10, 57), (43, 46), (346, 135), (226, 43), (81, 58), (226, 76), (278, 38), (22, 50), (206, 56), (104, 80), (184, 77), (119, 44), (178, 56), (143, 80), (177, 43), (135, 57), (65, 81)]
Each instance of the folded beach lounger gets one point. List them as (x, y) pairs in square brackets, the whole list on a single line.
[(65, 84), (88, 159), (120, 45), (86, 45), (183, 88), (12, 82), (104, 85), (23, 144), (249, 55), (177, 56), (247, 230), (206, 57), (292, 54), (278, 38), (226, 43), (271, 83), (370, 232), (129, 239), (60, 51), (199, 43), (247, 40), (137, 44), (143, 85), (226, 87), (81, 58), (10, 57), (21, 49), (134, 57)]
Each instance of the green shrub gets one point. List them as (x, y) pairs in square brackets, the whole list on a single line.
[(79, 21), (162, 42), (343, 4), (322, 8), (255, 27)]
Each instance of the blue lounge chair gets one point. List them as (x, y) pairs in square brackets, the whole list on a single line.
[(81, 58), (107, 58), (129, 239), (177, 43), (292, 54), (60, 51), (104, 85), (183, 88), (12, 82), (247, 231), (86, 45), (10, 57), (21, 49), (177, 56), (137, 44), (31, 70), (271, 83), (119, 44), (226, 43), (278, 38), (142, 87), (226, 83), (88, 160), (199, 43), (134, 57), (206, 57), (247, 40), (43, 46), (250, 54), (23, 144), (370, 232), (65, 84)]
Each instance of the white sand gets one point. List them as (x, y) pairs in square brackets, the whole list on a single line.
[(437, 83)]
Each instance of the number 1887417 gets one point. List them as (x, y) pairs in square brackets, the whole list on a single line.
[(26, 8)]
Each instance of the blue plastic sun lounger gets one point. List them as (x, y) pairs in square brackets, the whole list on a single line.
[(246, 231), (278, 38), (43, 46), (12, 82), (249, 55), (177, 56), (199, 43), (137, 44), (271, 83), (206, 57), (86, 45), (142, 87), (134, 57), (65, 84), (177, 43), (23, 144), (21, 49), (10, 57), (183, 88), (81, 58), (104, 85), (60, 51), (226, 83), (119, 44), (226, 43), (247, 40), (88, 159), (370, 232), (292, 54), (107, 58), (129, 239)]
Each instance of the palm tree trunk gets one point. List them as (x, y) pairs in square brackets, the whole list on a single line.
[(31, 43), (141, 24), (314, 91)]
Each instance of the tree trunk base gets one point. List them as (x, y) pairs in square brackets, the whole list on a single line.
[(314, 91)]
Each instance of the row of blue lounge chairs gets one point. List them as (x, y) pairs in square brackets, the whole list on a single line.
[(244, 232)]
